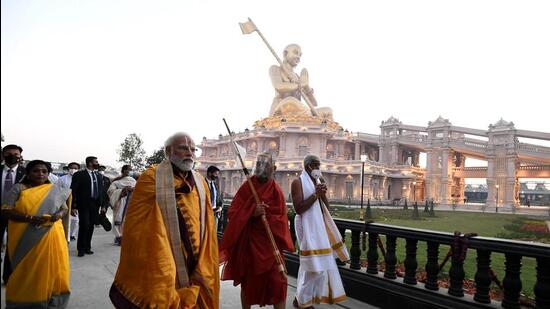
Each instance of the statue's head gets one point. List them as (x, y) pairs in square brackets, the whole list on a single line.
[(292, 54)]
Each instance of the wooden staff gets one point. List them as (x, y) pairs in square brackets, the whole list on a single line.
[(278, 258)]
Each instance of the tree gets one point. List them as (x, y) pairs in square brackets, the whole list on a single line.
[(157, 157), (131, 152)]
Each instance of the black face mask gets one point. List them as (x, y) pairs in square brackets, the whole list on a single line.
[(96, 166), (11, 159)]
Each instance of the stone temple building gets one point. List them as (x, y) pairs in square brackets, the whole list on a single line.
[(391, 159)]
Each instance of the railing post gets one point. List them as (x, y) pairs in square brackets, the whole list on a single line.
[(456, 274), (355, 251), (410, 261), (542, 287), (432, 268), (512, 281), (342, 231), (391, 258), (372, 254), (483, 277)]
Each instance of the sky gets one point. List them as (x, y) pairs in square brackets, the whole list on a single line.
[(78, 76)]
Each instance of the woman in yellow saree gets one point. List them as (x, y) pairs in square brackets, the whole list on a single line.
[(37, 245)]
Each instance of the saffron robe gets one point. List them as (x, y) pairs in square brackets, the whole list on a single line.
[(148, 275), (245, 248)]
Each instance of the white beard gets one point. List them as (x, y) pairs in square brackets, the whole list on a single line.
[(183, 164)]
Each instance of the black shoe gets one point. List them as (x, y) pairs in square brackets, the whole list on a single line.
[(80, 253), (73, 238), (89, 252)]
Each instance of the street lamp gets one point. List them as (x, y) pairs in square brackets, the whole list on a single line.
[(496, 202), (363, 160)]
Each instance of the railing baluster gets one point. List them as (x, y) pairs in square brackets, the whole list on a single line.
[(456, 274), (410, 261), (355, 251), (372, 254), (483, 277), (432, 267), (391, 258), (512, 281), (342, 231), (542, 287)]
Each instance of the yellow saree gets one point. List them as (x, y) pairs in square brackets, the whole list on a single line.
[(39, 254)]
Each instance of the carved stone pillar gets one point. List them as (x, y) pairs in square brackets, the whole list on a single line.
[(368, 187), (491, 181), (357, 153), (428, 190), (382, 188), (394, 154), (323, 147), (446, 182), (282, 145), (511, 179)]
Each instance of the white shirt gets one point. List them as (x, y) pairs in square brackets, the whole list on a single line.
[(65, 181), (5, 173), (212, 192), (92, 181)]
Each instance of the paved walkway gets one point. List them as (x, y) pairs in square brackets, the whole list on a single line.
[(92, 275)]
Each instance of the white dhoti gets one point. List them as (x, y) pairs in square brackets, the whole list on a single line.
[(119, 210), (73, 226), (119, 202), (320, 243)]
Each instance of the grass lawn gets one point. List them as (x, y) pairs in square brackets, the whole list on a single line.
[(484, 224)]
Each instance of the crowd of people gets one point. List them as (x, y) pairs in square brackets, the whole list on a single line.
[(166, 223)]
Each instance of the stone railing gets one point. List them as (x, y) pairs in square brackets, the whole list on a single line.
[(386, 290), (474, 143), (475, 168), (534, 148), (415, 138), (534, 167)]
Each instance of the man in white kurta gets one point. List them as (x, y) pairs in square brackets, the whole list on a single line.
[(319, 240), (119, 193), (65, 183)]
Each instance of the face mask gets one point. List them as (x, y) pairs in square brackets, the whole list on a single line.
[(102, 173), (316, 174), (183, 164), (96, 166), (11, 159), (72, 171)]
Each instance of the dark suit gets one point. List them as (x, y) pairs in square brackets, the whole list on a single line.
[(217, 204), (87, 206), (106, 185), (19, 174)]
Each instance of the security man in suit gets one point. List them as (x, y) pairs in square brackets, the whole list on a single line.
[(88, 198), (212, 177), (12, 173)]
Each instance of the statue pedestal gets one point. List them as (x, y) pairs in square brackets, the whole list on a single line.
[(298, 121)]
